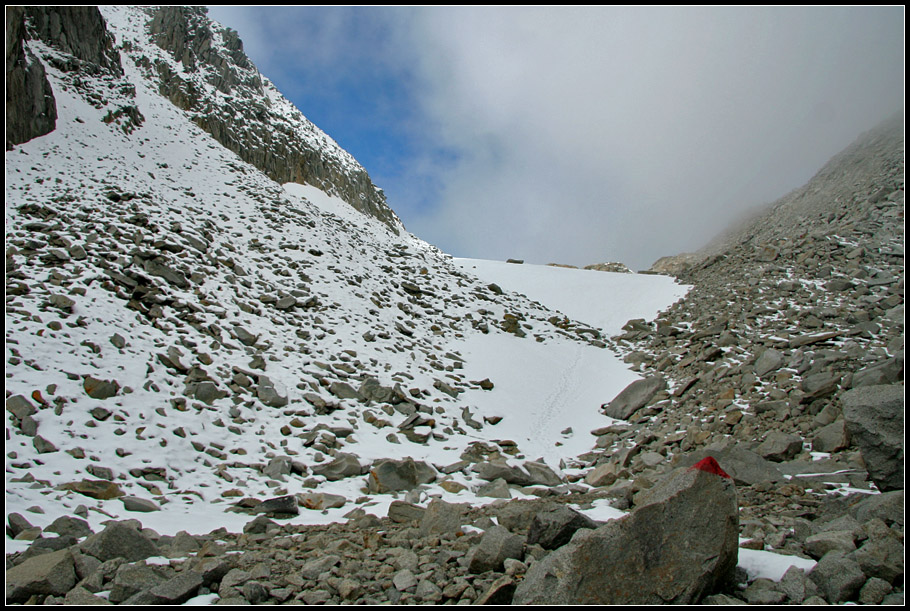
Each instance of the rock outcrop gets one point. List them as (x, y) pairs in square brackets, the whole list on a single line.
[(30, 107), (78, 31), (617, 268), (251, 118)]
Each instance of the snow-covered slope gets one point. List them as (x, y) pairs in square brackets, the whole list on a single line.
[(181, 325)]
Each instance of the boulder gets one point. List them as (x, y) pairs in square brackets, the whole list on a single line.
[(541, 474), (100, 389), (832, 540), (343, 390), (272, 394), (634, 396), (372, 390), (43, 545), (770, 360), (286, 303), (744, 466), (389, 475), (838, 577), (20, 407), (500, 469), (51, 574), (315, 567), (554, 527), (889, 371), (819, 385), (96, 489), (260, 525), (119, 540), (832, 437), (401, 512), (81, 596), (679, 545), (282, 505), (441, 517), (497, 489), (208, 392), (278, 467), (18, 523), (797, 586), (496, 545), (176, 590), (131, 579), (882, 558), (135, 503), (888, 507), (778, 446), (319, 501), (344, 465), (603, 475), (875, 419), (245, 337)]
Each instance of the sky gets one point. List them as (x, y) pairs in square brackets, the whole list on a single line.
[(582, 134)]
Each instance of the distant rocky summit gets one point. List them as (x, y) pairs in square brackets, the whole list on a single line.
[(674, 265), (617, 268)]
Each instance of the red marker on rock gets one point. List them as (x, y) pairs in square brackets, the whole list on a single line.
[(710, 465)]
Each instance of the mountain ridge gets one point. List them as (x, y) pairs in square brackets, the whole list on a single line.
[(203, 71)]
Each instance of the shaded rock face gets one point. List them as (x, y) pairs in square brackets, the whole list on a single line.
[(263, 136), (80, 33), (77, 30), (679, 545), (31, 110)]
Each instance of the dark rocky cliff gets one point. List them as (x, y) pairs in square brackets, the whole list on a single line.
[(30, 107), (203, 71), (247, 121)]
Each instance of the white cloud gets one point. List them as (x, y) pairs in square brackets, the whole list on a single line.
[(587, 134), (633, 133)]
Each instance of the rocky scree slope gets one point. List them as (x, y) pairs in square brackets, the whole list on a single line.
[(148, 266), (182, 330), (790, 345)]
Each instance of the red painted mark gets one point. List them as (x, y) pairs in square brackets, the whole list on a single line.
[(710, 465)]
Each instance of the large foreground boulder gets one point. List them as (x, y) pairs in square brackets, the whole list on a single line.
[(874, 415), (679, 545)]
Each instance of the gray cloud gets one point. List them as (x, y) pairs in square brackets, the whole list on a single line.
[(632, 133), (579, 135)]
